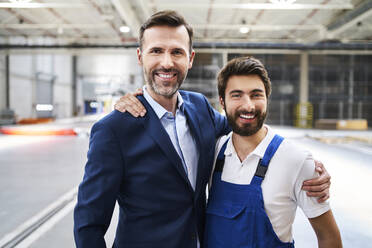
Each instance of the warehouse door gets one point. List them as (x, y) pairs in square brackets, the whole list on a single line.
[(44, 96)]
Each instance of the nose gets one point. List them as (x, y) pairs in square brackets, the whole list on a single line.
[(167, 61), (248, 104)]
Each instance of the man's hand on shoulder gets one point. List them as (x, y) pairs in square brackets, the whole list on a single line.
[(130, 103), (319, 186)]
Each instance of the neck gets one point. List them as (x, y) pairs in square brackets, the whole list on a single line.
[(170, 104), (244, 145)]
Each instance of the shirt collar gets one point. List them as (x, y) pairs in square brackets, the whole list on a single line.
[(259, 150), (160, 110)]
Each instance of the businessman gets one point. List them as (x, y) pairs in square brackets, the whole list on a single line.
[(156, 166)]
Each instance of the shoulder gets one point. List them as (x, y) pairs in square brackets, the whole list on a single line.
[(192, 96), (115, 121), (290, 151), (221, 140), (293, 161)]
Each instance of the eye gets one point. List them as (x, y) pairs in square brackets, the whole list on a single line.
[(177, 52), (235, 95), (155, 51), (257, 95)]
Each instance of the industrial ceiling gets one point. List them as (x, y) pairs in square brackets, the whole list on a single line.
[(116, 22)]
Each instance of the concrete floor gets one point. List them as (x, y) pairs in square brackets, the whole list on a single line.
[(36, 171)]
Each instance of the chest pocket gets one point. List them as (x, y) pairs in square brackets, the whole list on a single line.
[(225, 210)]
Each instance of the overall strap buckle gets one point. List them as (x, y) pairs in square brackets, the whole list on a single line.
[(220, 162), (263, 164)]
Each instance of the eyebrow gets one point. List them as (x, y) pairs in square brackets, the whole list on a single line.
[(253, 91), (153, 48), (258, 90)]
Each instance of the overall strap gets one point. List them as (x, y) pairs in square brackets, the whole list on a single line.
[(220, 162), (263, 164)]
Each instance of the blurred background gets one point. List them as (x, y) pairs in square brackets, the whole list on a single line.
[(63, 64)]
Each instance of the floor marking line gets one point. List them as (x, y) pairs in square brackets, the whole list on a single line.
[(22, 231), (46, 226)]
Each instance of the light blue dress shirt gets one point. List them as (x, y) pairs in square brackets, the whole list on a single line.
[(179, 133)]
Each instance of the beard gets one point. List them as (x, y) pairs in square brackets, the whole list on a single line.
[(247, 129), (159, 88)]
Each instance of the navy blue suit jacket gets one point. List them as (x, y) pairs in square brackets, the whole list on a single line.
[(132, 161)]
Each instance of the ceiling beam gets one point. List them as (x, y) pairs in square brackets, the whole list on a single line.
[(145, 10), (53, 26), (350, 19), (127, 14), (41, 5), (258, 27), (256, 6)]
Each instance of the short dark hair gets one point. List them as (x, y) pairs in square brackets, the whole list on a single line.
[(239, 67), (166, 18)]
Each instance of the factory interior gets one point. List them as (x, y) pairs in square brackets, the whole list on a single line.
[(64, 64)]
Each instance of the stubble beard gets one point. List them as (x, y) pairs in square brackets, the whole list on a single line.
[(160, 89), (247, 129)]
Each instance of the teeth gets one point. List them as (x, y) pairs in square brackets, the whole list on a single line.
[(247, 116), (165, 75)]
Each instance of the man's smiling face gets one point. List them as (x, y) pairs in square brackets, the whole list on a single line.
[(165, 58), (245, 104)]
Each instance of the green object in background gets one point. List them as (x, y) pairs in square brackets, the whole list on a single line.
[(304, 115)]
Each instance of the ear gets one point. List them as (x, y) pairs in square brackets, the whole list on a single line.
[(139, 56), (222, 103), (192, 55)]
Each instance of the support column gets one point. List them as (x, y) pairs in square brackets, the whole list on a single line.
[(7, 83), (304, 78), (304, 110), (224, 58), (351, 88), (74, 86)]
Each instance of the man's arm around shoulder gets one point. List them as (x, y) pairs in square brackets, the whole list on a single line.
[(326, 230)]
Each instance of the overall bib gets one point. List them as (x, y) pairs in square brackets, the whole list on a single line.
[(236, 215)]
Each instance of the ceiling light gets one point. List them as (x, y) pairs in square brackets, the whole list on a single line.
[(244, 30), (124, 29), (282, 1)]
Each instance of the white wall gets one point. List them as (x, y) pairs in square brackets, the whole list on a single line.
[(117, 68), (107, 71), (103, 74), (21, 80), (63, 86), (23, 69)]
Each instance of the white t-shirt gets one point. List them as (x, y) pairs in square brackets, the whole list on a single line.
[(281, 187)]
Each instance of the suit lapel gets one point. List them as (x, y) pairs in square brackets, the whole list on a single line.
[(156, 130), (193, 122)]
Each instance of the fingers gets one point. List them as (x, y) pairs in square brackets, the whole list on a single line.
[(319, 167), (135, 104), (322, 196), (322, 179), (130, 104), (317, 190), (323, 199), (319, 186), (120, 106), (138, 92)]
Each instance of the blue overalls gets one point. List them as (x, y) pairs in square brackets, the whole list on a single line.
[(236, 215)]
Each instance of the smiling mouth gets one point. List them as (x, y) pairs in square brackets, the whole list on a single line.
[(166, 76), (247, 116)]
